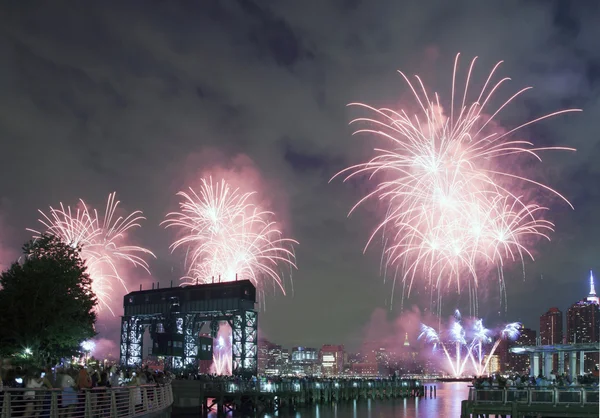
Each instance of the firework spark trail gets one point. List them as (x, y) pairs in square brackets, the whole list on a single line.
[(470, 340), (102, 242), (229, 237), (453, 206), (457, 336), (431, 336), (480, 337), (510, 331)]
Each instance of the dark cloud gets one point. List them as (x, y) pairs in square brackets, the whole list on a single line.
[(118, 96)]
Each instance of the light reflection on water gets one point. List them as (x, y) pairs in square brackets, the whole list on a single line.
[(445, 404)]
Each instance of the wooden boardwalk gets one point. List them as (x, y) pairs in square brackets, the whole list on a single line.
[(197, 398)]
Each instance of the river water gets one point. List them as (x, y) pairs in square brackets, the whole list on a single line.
[(445, 404)]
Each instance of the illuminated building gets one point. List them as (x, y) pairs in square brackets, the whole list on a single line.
[(592, 297), (332, 359), (300, 354), (270, 358), (363, 364), (583, 323), (517, 362), (263, 354), (365, 369), (305, 360), (503, 354), (493, 366), (551, 331), (285, 361)]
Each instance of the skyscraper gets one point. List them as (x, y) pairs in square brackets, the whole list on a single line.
[(583, 323), (270, 357), (519, 362), (551, 330), (551, 327)]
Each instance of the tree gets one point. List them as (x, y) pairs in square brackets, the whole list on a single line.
[(46, 302)]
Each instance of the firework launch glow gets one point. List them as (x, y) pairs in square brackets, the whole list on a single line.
[(467, 344), (222, 351), (228, 237), (103, 243), (455, 205)]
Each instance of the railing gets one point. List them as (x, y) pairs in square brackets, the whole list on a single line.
[(118, 402), (570, 395), (298, 386)]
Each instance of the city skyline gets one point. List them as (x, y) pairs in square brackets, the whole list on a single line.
[(143, 109), (554, 327), (581, 324)]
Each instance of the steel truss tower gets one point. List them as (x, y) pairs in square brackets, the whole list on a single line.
[(175, 316)]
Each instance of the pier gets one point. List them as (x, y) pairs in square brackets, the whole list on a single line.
[(197, 398), (569, 401)]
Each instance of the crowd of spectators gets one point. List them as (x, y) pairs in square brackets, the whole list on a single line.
[(498, 381), (73, 382)]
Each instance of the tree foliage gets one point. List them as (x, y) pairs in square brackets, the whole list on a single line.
[(46, 302)]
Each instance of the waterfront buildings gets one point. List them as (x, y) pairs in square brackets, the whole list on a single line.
[(272, 358), (408, 359), (583, 323), (551, 330), (493, 364), (305, 361), (364, 363), (517, 362), (582, 326), (551, 327), (332, 359)]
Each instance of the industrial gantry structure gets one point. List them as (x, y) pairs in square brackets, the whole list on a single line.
[(175, 317)]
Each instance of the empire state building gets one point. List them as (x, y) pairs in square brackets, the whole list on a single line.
[(592, 297), (583, 323)]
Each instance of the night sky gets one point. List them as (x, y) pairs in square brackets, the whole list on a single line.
[(139, 98)]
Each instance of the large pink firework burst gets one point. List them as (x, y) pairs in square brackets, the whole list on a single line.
[(103, 243), (228, 237), (455, 204)]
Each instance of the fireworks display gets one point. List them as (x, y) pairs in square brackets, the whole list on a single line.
[(467, 344), (455, 205), (227, 237), (222, 351), (103, 243)]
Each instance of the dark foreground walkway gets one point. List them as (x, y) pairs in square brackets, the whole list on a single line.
[(150, 401), (570, 401)]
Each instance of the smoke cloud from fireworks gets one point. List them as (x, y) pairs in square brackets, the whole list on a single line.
[(456, 207), (105, 250)]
